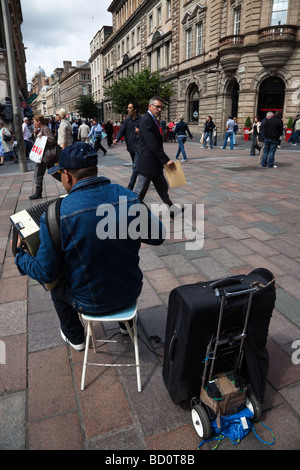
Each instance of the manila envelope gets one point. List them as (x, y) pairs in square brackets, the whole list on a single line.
[(175, 176)]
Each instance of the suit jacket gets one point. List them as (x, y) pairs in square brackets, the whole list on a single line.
[(151, 157)]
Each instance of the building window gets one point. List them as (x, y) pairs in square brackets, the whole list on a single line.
[(150, 24), (237, 21), (159, 16), (158, 58), (167, 53), (279, 12), (149, 61), (169, 9), (199, 30), (188, 44)]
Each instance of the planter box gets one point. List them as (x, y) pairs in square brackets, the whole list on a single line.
[(288, 133), (246, 135)]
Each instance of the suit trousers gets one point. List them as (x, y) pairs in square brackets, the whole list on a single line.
[(159, 183)]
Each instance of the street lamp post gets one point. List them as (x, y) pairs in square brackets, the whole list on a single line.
[(12, 72)]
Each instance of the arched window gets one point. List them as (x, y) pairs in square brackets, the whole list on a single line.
[(271, 96), (194, 104)]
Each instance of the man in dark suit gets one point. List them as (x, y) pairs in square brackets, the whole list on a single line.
[(152, 157)]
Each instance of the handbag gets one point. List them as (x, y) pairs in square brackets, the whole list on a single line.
[(103, 134), (38, 149), (51, 155), (6, 137)]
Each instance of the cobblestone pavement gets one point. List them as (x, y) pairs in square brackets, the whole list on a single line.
[(252, 219)]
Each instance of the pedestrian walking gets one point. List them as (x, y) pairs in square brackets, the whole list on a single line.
[(261, 136), (83, 131), (296, 131), (181, 129), (75, 130), (171, 127), (208, 132), (273, 131), (229, 133), (96, 136), (64, 132), (26, 136), (109, 129), (6, 149), (130, 131), (235, 130), (255, 133), (152, 157), (50, 155)]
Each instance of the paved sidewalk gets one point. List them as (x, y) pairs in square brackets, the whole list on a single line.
[(252, 219)]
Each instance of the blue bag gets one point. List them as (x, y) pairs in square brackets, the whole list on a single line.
[(235, 427)]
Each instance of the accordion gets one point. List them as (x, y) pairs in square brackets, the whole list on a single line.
[(26, 223)]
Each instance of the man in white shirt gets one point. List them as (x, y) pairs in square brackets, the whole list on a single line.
[(26, 136), (64, 138), (229, 132)]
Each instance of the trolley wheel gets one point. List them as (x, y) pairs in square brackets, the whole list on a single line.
[(201, 422), (253, 405)]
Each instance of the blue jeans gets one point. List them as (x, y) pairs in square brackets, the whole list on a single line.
[(70, 323), (181, 140), (230, 135), (206, 135), (295, 137), (269, 152)]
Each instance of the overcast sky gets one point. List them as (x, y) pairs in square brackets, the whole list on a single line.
[(58, 30)]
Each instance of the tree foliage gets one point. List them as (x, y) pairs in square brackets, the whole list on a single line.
[(139, 87), (86, 107)]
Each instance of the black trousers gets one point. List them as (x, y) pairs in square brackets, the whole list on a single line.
[(98, 146), (70, 322)]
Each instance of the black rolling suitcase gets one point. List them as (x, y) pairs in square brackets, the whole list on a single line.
[(193, 313)]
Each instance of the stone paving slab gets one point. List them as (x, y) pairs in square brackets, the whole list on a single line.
[(252, 219)]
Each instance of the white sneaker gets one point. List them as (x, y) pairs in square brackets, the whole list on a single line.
[(78, 347)]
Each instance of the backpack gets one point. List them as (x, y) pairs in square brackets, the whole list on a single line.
[(98, 132)]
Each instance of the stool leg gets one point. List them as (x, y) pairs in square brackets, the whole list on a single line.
[(93, 337), (86, 351), (137, 357)]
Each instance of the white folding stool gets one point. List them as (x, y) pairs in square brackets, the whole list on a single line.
[(123, 315)]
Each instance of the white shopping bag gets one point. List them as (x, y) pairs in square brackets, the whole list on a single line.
[(38, 149)]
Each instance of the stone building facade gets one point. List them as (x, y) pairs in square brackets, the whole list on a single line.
[(226, 57), (74, 82), (16, 19), (62, 89)]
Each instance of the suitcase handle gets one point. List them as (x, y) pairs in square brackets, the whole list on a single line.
[(229, 281)]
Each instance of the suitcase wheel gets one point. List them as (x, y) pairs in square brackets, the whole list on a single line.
[(201, 422), (253, 405)]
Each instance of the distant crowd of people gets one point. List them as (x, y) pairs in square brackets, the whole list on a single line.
[(265, 137)]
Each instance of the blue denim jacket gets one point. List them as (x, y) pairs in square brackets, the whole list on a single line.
[(100, 274)]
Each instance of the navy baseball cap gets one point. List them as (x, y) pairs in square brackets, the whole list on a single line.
[(77, 155)]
